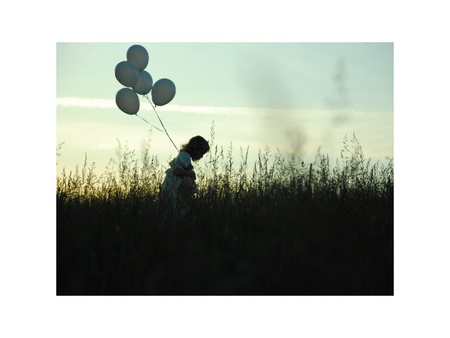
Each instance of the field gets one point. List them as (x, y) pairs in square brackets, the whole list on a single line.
[(278, 226)]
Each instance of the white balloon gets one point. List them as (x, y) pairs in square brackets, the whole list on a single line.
[(144, 83), (163, 92), (126, 73), (127, 101), (138, 55)]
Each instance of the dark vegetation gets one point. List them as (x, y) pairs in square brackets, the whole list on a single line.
[(281, 228)]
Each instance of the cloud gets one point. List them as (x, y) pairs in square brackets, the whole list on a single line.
[(210, 110), (204, 110), (84, 103), (108, 104)]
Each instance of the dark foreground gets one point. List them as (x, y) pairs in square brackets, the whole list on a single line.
[(296, 245)]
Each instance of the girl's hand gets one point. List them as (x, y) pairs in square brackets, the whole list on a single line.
[(184, 172)]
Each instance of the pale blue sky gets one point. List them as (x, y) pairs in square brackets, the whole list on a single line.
[(295, 97)]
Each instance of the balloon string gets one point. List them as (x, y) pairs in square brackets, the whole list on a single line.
[(149, 123), (160, 121)]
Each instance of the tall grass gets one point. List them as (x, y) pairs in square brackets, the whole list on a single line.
[(277, 226)]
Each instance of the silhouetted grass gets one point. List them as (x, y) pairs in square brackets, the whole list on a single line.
[(287, 228)]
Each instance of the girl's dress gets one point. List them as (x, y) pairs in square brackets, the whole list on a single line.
[(172, 182)]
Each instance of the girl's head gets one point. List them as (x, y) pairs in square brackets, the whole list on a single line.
[(196, 148)]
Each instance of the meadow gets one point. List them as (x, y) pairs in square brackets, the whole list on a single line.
[(278, 226)]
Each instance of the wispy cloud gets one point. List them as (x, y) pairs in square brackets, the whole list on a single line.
[(207, 110), (108, 104), (210, 110), (84, 103)]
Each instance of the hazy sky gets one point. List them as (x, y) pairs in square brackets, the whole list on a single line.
[(292, 97)]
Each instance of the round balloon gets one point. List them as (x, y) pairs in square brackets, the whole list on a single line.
[(144, 83), (163, 92), (127, 101), (138, 55), (126, 73)]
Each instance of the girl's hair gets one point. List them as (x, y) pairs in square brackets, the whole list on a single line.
[(197, 143)]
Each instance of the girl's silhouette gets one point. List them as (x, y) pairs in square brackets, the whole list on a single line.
[(179, 182)]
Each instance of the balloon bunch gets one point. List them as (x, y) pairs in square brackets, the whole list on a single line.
[(132, 75)]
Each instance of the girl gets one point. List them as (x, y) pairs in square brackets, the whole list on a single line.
[(180, 177)]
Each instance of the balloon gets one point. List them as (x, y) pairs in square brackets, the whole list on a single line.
[(127, 101), (126, 73), (144, 83), (138, 55), (163, 92)]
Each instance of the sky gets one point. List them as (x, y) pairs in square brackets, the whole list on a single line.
[(290, 97)]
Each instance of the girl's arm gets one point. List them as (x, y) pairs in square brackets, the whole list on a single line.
[(183, 166), (184, 173)]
